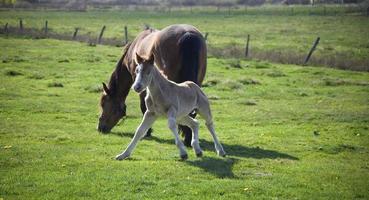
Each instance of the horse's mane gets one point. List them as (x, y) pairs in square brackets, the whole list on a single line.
[(118, 70), (125, 49)]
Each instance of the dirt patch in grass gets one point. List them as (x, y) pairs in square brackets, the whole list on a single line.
[(339, 82), (13, 73), (94, 88), (275, 74), (230, 85), (248, 102), (210, 83), (249, 81), (36, 76), (55, 84)]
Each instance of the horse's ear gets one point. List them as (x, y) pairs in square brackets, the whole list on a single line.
[(106, 89), (151, 59), (139, 59)]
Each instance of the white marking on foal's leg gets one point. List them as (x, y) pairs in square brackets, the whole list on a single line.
[(218, 146), (173, 127), (194, 125), (146, 123)]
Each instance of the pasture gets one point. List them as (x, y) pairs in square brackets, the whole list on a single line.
[(291, 132), (277, 35)]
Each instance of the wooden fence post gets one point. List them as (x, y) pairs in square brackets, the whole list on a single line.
[(206, 36), (312, 50), (75, 33), (6, 28), (46, 29), (21, 25), (125, 35), (247, 46), (101, 34)]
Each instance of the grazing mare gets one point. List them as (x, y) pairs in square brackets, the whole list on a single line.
[(179, 51), (174, 101)]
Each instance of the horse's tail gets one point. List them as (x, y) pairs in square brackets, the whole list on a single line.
[(190, 47)]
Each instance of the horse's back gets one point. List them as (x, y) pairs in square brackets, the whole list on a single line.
[(168, 48)]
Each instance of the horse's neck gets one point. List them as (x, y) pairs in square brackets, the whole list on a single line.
[(120, 82), (157, 84)]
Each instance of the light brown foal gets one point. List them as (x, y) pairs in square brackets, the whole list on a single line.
[(174, 101)]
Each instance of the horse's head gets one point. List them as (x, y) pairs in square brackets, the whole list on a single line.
[(112, 100), (143, 73), (112, 108)]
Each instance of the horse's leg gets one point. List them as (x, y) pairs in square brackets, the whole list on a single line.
[(204, 111), (190, 122), (143, 110), (147, 121), (187, 133), (172, 124)]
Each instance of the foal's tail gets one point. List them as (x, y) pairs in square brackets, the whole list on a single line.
[(190, 47)]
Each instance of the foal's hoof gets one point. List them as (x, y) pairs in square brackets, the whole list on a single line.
[(222, 153), (199, 154), (121, 156), (184, 157), (148, 133)]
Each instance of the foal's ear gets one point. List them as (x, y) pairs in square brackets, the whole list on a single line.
[(151, 59), (139, 59), (106, 89)]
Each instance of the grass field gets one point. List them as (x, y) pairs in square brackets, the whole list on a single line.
[(291, 132), (274, 33)]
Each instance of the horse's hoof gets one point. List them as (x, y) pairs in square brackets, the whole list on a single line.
[(199, 154), (187, 143), (184, 157)]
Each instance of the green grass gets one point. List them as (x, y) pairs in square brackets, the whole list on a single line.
[(290, 132), (272, 29)]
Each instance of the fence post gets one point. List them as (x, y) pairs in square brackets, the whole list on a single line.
[(125, 35), (21, 25), (312, 50), (46, 29), (247, 46), (206, 36), (75, 33), (101, 34), (367, 11), (6, 28)]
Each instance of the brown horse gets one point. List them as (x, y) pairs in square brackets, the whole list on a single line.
[(179, 51)]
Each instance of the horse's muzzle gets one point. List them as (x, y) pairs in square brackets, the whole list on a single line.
[(103, 129)]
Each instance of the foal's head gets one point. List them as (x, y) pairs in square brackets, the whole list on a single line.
[(143, 73)]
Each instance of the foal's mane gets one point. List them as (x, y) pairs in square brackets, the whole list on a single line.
[(161, 72)]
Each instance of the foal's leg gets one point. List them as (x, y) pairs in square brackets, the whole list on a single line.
[(204, 111), (143, 110), (172, 124), (147, 121), (190, 122)]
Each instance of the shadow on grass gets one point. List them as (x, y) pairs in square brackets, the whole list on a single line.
[(220, 167), (231, 149)]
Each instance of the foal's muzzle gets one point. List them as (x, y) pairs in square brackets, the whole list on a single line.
[(138, 88)]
